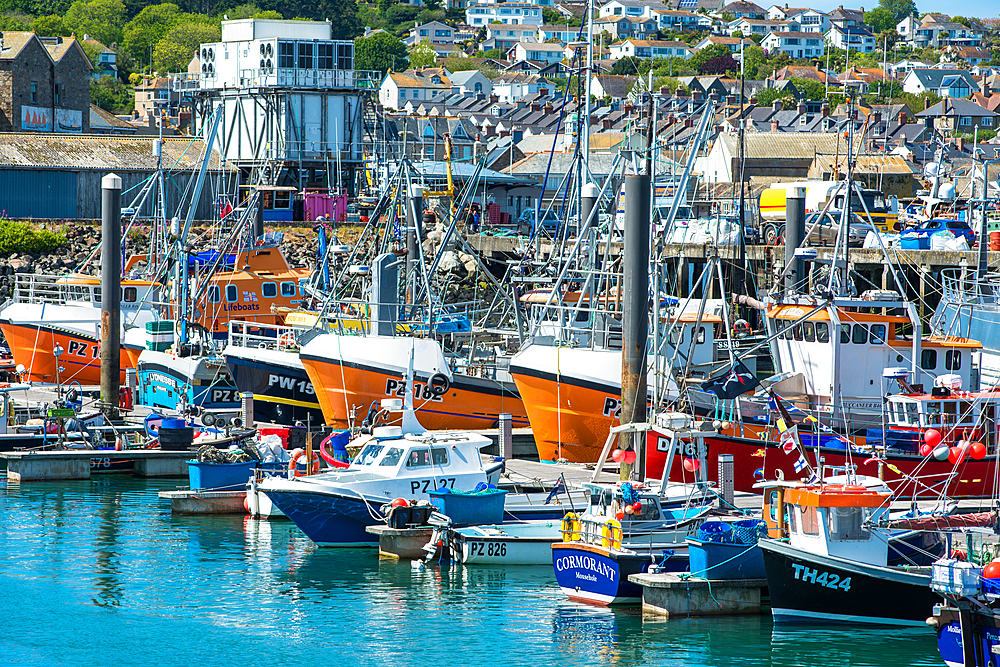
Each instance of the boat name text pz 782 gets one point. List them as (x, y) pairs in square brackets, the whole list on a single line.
[(827, 579), (421, 391)]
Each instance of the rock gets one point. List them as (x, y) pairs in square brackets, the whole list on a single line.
[(21, 265), (471, 267), (449, 262)]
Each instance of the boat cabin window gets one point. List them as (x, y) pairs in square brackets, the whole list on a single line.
[(822, 332), (302, 284), (677, 336), (847, 524), (418, 458), (845, 333), (772, 504), (440, 456), (701, 335), (369, 454), (928, 359), (287, 288), (809, 332), (932, 412), (953, 360), (878, 334), (392, 457), (269, 290), (806, 520), (797, 332), (860, 336), (905, 413), (214, 295), (232, 294)]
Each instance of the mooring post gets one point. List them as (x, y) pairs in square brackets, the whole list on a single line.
[(111, 292), (635, 313), (795, 231)]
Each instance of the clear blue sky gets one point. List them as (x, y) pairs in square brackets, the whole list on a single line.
[(975, 8)]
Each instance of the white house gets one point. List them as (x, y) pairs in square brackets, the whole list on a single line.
[(413, 85), (470, 82), (631, 8), (540, 53), (624, 27), (760, 27), (508, 13), (513, 86), (679, 20), (562, 33), (732, 43), (944, 82), (937, 31), (504, 37), (440, 36), (795, 44), (642, 48), (859, 39)]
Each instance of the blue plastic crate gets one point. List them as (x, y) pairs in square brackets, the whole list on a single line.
[(470, 509), (219, 476)]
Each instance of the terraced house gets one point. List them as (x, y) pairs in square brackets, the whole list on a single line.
[(644, 48), (44, 84), (508, 13)]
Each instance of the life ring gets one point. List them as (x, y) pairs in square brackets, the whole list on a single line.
[(439, 384), (286, 339), (741, 328), (611, 534), (293, 463), (571, 527)]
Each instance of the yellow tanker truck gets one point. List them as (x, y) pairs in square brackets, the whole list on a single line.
[(883, 211)]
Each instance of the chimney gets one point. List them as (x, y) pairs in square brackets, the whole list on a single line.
[(774, 126), (680, 91), (927, 103), (548, 107), (801, 107), (753, 100), (543, 92), (688, 121), (825, 108), (629, 108), (960, 144), (535, 106), (903, 120), (714, 97), (777, 105), (605, 124), (494, 98), (696, 95), (664, 91), (730, 100), (902, 141), (876, 117)]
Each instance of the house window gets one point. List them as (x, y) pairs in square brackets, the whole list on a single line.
[(965, 121), (286, 54), (34, 92), (325, 53), (55, 91), (986, 121), (305, 56)]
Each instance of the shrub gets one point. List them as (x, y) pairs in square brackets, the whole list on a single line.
[(24, 237)]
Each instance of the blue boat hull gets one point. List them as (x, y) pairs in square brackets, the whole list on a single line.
[(599, 575)]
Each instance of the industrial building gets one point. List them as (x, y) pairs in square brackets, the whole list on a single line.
[(59, 176)]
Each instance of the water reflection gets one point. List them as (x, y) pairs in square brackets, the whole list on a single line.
[(596, 634), (107, 573), (853, 646)]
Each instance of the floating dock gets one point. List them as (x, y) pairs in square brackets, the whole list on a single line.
[(674, 596), (44, 466), (206, 501), (402, 543)]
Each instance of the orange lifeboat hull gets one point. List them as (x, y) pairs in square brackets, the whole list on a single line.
[(32, 346)]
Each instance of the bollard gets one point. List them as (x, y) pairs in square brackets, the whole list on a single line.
[(726, 479), (635, 317), (506, 436), (795, 231), (247, 409), (111, 293)]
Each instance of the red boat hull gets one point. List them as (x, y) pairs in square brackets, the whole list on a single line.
[(974, 479)]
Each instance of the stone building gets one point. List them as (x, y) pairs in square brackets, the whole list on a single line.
[(44, 84)]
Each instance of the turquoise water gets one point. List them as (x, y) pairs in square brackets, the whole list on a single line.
[(100, 573)]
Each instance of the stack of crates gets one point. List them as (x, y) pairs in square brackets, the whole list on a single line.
[(159, 335), (956, 577)]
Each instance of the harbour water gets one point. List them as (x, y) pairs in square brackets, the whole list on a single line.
[(100, 573)]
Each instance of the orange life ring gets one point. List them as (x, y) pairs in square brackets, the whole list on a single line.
[(293, 462)]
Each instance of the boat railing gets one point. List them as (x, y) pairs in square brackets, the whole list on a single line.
[(263, 336), (42, 288), (961, 287)]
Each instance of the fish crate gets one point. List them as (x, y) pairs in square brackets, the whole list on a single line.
[(219, 476), (956, 577), (470, 509)]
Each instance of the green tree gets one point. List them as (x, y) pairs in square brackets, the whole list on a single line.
[(342, 14), (101, 19), (12, 23), (753, 58), (900, 8), (767, 96), (112, 95), (708, 53), (422, 54), (141, 35), (399, 18), (248, 11), (738, 34), (630, 65), (50, 26), (810, 89), (380, 52), (178, 46), (881, 19), (494, 54)]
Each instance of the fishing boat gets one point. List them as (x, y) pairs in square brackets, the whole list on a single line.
[(832, 568), (511, 543)]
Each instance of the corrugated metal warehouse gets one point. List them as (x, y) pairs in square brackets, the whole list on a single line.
[(59, 176)]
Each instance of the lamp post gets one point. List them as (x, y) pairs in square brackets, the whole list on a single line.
[(58, 352)]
